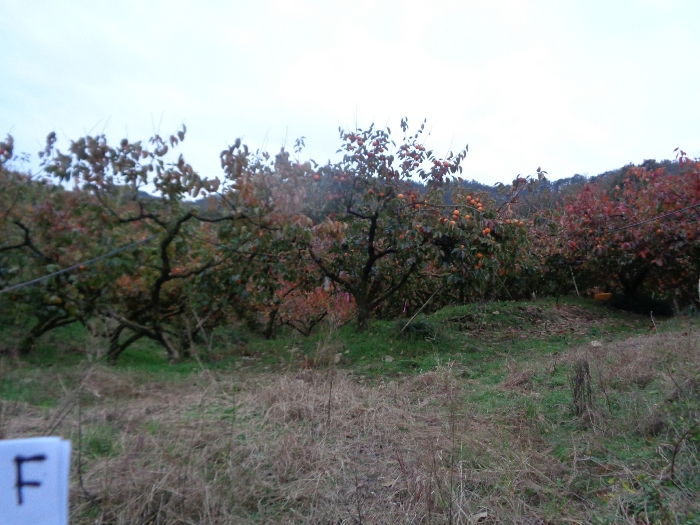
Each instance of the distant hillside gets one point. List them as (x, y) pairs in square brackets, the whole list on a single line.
[(547, 195)]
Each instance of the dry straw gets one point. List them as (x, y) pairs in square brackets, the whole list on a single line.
[(317, 446)]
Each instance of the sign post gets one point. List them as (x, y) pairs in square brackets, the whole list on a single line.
[(34, 481)]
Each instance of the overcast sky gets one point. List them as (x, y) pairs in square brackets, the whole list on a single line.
[(573, 86)]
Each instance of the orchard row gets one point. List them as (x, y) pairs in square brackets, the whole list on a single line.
[(273, 241)]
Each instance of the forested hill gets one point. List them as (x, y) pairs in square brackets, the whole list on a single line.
[(611, 178), (550, 192)]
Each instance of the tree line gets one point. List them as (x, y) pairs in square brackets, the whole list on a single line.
[(274, 241)]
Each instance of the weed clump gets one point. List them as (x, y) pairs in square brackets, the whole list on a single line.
[(582, 391), (420, 329)]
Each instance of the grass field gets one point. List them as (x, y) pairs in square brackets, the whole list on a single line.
[(533, 412)]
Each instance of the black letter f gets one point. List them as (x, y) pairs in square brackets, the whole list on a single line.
[(20, 482)]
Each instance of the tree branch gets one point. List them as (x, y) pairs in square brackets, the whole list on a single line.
[(394, 288)]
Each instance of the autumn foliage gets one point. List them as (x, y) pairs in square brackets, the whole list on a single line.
[(641, 237), (273, 241)]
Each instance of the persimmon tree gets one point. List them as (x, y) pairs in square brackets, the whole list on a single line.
[(45, 229), (643, 234), (165, 289), (490, 246), (270, 193), (149, 294), (373, 230)]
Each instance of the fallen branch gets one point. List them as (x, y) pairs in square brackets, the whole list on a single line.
[(421, 309)]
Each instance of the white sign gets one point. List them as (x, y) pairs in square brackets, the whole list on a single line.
[(34, 481)]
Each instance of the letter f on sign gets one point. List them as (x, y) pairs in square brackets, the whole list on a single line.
[(20, 483)]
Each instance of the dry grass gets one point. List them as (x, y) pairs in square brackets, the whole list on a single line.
[(390, 453), (269, 448)]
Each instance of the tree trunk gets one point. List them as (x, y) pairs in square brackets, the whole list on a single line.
[(631, 280), (116, 347), (269, 332), (170, 349), (364, 314), (185, 339)]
